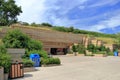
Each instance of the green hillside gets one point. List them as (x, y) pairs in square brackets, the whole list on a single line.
[(107, 38), (90, 33)]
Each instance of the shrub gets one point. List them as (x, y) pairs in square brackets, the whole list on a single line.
[(3, 49), (44, 61), (91, 47), (42, 53), (81, 48), (34, 45), (5, 61), (48, 61), (110, 54), (101, 52), (17, 39), (74, 48), (102, 48), (89, 55), (28, 63), (54, 61)]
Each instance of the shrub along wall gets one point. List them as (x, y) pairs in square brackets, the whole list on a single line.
[(48, 61)]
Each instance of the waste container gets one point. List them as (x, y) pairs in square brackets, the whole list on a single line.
[(115, 53), (16, 70), (36, 59)]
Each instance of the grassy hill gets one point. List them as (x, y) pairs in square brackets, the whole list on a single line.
[(107, 38)]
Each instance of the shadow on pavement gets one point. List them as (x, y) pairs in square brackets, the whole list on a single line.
[(28, 75), (25, 76)]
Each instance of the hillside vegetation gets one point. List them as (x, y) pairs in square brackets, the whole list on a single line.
[(107, 38), (90, 33)]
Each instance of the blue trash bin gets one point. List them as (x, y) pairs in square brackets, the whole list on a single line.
[(36, 59), (115, 53)]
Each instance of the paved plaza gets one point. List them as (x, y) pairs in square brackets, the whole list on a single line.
[(79, 68)]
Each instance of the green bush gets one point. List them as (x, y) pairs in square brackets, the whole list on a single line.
[(54, 60), (44, 61), (74, 48), (101, 52), (48, 61), (5, 61), (110, 54), (91, 48), (17, 39), (89, 55), (3, 49), (28, 63), (34, 45), (42, 53), (81, 49)]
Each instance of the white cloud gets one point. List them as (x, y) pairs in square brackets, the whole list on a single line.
[(43, 10), (104, 2), (55, 12), (109, 23), (81, 7), (33, 10)]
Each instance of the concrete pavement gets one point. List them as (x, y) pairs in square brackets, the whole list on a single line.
[(79, 68)]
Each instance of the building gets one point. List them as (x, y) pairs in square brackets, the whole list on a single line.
[(54, 42)]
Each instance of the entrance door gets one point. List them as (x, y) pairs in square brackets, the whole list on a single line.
[(54, 51)]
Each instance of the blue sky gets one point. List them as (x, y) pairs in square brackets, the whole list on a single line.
[(93, 15)]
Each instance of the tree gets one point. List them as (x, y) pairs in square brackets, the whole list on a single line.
[(75, 49), (23, 23), (71, 29), (81, 48), (8, 12), (46, 24), (34, 24)]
